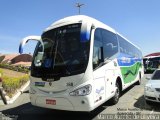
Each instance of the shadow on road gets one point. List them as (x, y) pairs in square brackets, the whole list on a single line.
[(27, 91), (29, 112), (141, 104)]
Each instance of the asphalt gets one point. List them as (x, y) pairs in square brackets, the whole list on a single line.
[(131, 101)]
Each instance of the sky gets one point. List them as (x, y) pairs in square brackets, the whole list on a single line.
[(137, 20)]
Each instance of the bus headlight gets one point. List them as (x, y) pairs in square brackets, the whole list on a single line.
[(85, 90)]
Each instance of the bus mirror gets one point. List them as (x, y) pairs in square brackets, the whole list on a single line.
[(85, 31), (38, 59), (40, 55), (26, 39), (29, 68)]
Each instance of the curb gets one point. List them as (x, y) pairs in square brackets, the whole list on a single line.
[(20, 91)]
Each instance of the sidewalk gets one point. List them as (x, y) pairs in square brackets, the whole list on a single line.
[(16, 95)]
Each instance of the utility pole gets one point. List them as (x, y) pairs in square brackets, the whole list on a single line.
[(79, 5)]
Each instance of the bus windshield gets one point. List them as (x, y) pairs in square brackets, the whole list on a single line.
[(63, 53)]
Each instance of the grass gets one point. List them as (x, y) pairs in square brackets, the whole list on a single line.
[(12, 80), (11, 73)]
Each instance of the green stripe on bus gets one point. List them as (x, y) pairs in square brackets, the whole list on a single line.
[(130, 73)]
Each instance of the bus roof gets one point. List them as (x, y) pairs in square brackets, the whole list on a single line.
[(79, 19)]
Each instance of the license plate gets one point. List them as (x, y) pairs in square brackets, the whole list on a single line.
[(50, 102)]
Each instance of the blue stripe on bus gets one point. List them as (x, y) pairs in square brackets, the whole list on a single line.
[(127, 60), (85, 36)]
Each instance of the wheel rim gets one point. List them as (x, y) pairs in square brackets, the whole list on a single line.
[(117, 93)]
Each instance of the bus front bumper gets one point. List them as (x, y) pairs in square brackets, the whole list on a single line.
[(61, 103)]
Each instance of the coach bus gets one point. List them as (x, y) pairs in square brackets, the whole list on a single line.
[(151, 63), (79, 63)]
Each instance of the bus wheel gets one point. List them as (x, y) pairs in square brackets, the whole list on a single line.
[(115, 98), (149, 102)]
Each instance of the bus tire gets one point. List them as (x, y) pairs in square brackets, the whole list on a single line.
[(149, 102), (115, 98)]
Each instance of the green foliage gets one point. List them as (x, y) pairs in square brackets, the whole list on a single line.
[(10, 85), (1, 58), (18, 68), (1, 71)]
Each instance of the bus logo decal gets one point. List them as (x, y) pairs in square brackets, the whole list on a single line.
[(40, 84), (50, 83), (98, 91)]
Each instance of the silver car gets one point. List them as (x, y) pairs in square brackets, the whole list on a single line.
[(152, 88)]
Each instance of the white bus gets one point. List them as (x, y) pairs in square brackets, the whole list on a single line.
[(80, 63)]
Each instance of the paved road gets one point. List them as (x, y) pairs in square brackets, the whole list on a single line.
[(131, 101)]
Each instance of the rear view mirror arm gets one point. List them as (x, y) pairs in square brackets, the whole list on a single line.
[(26, 39)]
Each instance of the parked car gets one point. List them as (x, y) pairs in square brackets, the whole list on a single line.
[(152, 88)]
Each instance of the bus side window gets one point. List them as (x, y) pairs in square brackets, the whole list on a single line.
[(110, 44), (97, 49)]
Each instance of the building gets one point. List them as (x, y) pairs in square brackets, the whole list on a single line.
[(16, 59), (151, 62), (153, 54)]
